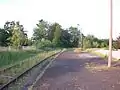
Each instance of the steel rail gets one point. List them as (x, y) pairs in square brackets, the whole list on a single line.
[(26, 71)]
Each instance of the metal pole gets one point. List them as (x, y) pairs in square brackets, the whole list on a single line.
[(82, 42), (110, 37), (79, 33)]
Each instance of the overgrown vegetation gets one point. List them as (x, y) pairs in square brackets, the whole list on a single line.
[(22, 66), (13, 34), (116, 43), (91, 41), (53, 35), (11, 57), (46, 36), (50, 35)]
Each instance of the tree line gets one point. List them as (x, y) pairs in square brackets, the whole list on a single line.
[(13, 34), (50, 35), (53, 35)]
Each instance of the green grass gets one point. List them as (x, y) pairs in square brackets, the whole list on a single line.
[(22, 66), (100, 55), (11, 57), (105, 57)]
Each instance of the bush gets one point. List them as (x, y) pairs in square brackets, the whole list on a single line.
[(115, 45), (44, 44)]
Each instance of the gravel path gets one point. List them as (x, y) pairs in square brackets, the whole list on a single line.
[(69, 72)]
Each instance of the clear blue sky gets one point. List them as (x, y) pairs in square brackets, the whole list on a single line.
[(92, 15)]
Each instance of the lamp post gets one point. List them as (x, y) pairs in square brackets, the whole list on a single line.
[(81, 36), (110, 37), (79, 33), (81, 39), (82, 42)]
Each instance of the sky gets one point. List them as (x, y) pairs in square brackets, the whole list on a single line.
[(92, 15)]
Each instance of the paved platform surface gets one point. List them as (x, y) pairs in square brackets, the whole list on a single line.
[(69, 72)]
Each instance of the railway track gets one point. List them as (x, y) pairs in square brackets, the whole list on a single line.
[(27, 79)]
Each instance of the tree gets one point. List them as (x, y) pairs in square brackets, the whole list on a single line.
[(87, 43), (19, 37), (29, 42), (3, 37), (8, 27), (96, 44), (13, 34), (40, 31), (90, 41), (57, 35), (104, 43), (116, 43), (51, 31), (65, 38), (75, 33)]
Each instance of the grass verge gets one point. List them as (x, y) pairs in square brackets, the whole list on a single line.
[(11, 57), (24, 65), (105, 57)]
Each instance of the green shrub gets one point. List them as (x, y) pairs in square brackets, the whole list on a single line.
[(44, 44)]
